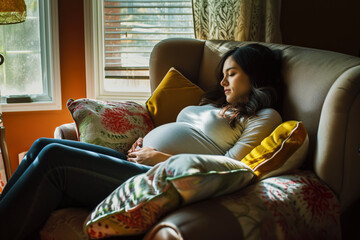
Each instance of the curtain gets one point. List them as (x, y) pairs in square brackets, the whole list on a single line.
[(240, 20)]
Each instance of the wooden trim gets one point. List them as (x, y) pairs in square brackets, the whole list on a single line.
[(5, 153)]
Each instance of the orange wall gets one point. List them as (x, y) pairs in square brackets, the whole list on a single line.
[(324, 24), (23, 128)]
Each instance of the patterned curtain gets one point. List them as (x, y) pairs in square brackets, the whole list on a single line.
[(240, 20)]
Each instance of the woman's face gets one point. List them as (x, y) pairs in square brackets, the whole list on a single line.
[(236, 83)]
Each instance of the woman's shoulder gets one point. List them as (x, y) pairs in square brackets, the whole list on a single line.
[(267, 114)]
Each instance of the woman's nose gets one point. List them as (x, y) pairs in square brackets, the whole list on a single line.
[(224, 82)]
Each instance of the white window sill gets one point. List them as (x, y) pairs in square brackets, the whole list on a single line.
[(34, 106)]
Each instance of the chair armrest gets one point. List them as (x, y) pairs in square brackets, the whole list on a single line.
[(203, 220), (66, 131)]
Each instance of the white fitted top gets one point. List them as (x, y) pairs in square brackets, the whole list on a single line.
[(200, 130)]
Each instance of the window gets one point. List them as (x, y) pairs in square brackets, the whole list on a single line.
[(120, 35), (30, 75)]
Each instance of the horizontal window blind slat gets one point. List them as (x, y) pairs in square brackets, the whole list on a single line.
[(139, 21), (145, 44), (145, 27), (146, 31), (128, 49), (133, 39), (129, 77), (107, 52), (142, 1), (149, 6), (148, 14), (143, 68)]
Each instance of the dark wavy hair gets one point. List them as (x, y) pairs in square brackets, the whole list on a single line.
[(263, 67)]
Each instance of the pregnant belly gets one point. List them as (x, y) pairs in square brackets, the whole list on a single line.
[(179, 137)]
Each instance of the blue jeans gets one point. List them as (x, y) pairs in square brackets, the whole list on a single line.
[(56, 174)]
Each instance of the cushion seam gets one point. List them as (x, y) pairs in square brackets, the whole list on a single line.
[(281, 147)]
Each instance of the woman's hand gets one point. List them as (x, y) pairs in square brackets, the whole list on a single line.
[(147, 156), (137, 143)]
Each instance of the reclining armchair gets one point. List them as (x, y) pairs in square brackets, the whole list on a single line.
[(321, 89)]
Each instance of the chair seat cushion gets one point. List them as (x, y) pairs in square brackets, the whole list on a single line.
[(65, 224)]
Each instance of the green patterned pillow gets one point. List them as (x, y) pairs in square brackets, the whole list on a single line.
[(115, 125), (143, 199)]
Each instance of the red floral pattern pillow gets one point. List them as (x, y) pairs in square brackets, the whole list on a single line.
[(291, 206), (116, 125)]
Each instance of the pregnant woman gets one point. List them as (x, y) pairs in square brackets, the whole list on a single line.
[(229, 121)]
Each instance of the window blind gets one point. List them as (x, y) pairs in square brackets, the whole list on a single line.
[(132, 28)]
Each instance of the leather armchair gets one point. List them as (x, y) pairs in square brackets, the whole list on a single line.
[(320, 88)]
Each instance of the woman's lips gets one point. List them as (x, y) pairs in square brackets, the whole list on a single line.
[(227, 91)]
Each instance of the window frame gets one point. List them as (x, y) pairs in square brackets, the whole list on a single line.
[(49, 36), (94, 56), (91, 56)]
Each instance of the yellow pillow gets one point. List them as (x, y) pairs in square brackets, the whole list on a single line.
[(174, 93), (283, 150)]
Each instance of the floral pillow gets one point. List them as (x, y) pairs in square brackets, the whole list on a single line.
[(115, 125), (143, 199), (297, 205)]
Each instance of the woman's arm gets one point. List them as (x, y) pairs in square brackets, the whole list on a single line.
[(255, 130), (147, 156)]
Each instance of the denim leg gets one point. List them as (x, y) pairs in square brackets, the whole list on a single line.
[(39, 144), (57, 172)]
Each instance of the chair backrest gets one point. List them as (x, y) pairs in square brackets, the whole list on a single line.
[(321, 88)]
